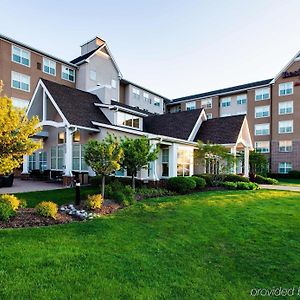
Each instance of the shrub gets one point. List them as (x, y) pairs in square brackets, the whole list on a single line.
[(265, 180), (207, 177), (121, 198), (200, 182), (235, 178), (47, 209), (12, 200), (6, 211), (23, 203), (143, 193), (294, 174), (181, 185), (94, 201), (230, 185), (246, 186)]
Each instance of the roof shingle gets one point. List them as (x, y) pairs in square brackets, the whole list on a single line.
[(83, 57)]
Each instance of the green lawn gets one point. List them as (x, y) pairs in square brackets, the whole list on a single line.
[(210, 245), (288, 181)]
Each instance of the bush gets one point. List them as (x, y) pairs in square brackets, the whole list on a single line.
[(6, 211), (246, 186), (47, 209), (230, 185), (294, 174), (94, 201), (143, 193), (208, 179), (265, 180), (122, 194), (23, 203), (12, 200), (235, 178), (200, 182), (181, 185)]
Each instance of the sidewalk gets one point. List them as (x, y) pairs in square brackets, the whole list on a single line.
[(280, 187)]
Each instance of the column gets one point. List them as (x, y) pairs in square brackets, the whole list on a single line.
[(246, 162), (68, 158), (173, 160), (25, 164), (153, 165), (233, 152)]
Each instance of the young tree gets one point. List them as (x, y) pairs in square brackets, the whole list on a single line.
[(104, 157), (217, 157), (138, 153), (16, 131), (258, 163)]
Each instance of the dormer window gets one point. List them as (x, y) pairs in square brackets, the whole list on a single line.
[(128, 120)]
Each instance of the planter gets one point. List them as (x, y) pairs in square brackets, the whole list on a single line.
[(6, 180)]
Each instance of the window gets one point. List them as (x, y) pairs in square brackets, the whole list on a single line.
[(285, 126), (262, 111), (20, 56), (209, 115), (178, 108), (146, 97), (262, 146), (113, 83), (225, 102), (285, 108), (78, 162), (61, 138), (49, 66), (286, 88), (136, 93), (262, 94), (284, 167), (184, 162), (262, 129), (20, 81), (57, 157), (241, 99), (32, 161), (20, 103), (165, 161), (156, 101), (191, 105), (43, 161), (93, 75), (206, 103), (67, 73), (76, 136), (128, 120), (285, 146)]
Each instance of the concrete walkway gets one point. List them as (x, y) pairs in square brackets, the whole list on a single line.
[(280, 187), (21, 186)]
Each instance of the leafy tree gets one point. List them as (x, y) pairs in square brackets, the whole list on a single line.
[(138, 153), (258, 163), (104, 157), (16, 131), (216, 157)]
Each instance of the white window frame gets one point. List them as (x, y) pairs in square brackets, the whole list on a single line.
[(206, 103), (283, 87), (209, 116), (66, 70), (22, 51), (32, 161), (280, 126), (263, 131), (49, 61), (56, 157), (146, 97), (191, 105), (82, 165), (20, 103), (21, 76), (262, 149), (43, 160), (286, 166), (186, 163), (241, 99), (226, 102), (156, 101), (165, 160), (285, 146), (284, 106), (121, 118), (136, 93), (262, 111), (261, 93)]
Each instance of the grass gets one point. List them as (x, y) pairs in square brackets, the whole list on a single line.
[(289, 181), (210, 245)]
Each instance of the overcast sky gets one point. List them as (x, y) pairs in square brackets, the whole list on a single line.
[(175, 48)]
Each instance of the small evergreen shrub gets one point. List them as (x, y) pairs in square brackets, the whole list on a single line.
[(94, 201), (208, 179), (200, 182), (143, 193), (235, 178), (294, 174), (229, 185), (265, 180), (10, 199), (6, 211), (23, 203), (47, 209), (181, 185)]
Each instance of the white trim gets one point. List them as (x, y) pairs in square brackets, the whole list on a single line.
[(21, 48), (85, 128), (20, 74), (53, 124), (197, 125), (112, 106), (62, 71), (50, 61)]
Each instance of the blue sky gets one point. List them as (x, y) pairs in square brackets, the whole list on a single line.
[(174, 47)]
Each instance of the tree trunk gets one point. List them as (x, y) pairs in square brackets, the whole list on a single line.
[(103, 186), (133, 182)]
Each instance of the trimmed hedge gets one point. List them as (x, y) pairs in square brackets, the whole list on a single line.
[(235, 178), (200, 182), (265, 180), (241, 185), (181, 185), (216, 180)]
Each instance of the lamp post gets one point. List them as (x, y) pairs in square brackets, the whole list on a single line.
[(77, 190)]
